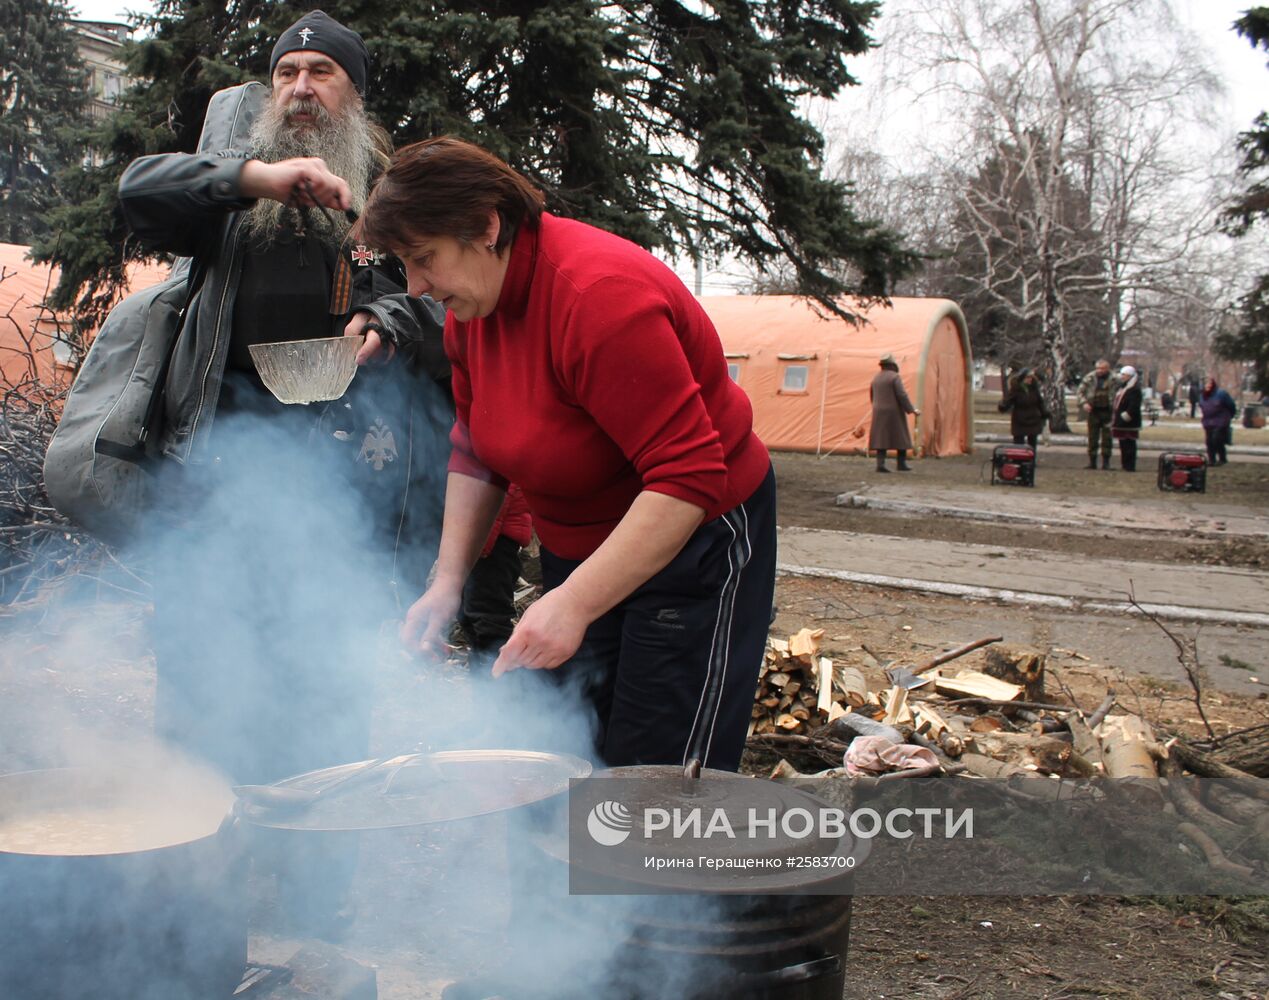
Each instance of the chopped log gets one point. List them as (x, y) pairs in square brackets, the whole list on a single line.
[(835, 712), (824, 685), (896, 707), (953, 654), (1128, 752), (779, 645), (851, 683), (770, 702), (804, 644), (1084, 742), (800, 713), (929, 722), (784, 703), (792, 688), (972, 684), (953, 745), (1017, 665), (1207, 766), (1211, 850), (787, 721), (778, 679), (987, 724), (1035, 753)]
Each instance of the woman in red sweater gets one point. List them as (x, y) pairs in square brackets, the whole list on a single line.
[(585, 372)]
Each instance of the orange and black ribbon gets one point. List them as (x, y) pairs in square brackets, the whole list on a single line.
[(341, 290)]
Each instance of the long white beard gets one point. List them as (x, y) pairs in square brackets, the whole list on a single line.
[(343, 140)]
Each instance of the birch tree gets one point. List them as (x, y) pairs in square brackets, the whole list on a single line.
[(1073, 225)]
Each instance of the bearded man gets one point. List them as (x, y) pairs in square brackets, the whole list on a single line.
[(285, 525)]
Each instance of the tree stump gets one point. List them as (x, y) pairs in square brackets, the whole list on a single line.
[(1017, 665)]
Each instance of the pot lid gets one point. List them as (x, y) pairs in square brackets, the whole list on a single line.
[(418, 789)]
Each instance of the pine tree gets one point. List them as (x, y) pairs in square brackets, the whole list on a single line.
[(676, 128), (42, 100), (1251, 341)]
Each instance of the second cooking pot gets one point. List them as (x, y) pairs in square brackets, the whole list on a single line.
[(120, 885)]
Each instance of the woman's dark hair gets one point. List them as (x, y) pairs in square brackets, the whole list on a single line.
[(446, 187)]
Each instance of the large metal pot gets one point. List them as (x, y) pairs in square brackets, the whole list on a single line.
[(120, 885), (783, 937)]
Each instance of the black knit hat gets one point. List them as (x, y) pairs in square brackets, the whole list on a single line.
[(317, 31)]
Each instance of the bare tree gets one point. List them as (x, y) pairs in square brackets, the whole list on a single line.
[(1065, 174)]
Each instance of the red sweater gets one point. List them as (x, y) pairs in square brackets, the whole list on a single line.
[(513, 520), (596, 377)]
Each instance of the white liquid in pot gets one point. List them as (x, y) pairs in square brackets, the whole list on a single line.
[(113, 829)]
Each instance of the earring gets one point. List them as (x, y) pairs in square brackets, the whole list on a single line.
[(489, 247)]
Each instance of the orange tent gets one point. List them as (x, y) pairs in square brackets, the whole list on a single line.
[(29, 332), (808, 375)]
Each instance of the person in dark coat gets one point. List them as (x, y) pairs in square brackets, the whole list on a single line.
[(890, 406), (1026, 408), (1126, 417), (1218, 414), (1195, 398)]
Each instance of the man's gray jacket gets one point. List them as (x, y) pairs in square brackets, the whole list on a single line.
[(191, 205)]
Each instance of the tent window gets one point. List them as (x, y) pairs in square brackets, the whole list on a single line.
[(795, 378), (733, 371)]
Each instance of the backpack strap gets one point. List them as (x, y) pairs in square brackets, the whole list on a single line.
[(137, 453)]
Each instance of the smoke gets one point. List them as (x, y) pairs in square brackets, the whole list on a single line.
[(281, 568)]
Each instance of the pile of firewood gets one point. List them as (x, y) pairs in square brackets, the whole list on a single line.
[(998, 723), (799, 689)]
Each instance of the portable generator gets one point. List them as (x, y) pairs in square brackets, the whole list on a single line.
[(1013, 465), (1182, 473)]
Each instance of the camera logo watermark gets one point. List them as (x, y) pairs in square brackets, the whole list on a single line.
[(609, 823)]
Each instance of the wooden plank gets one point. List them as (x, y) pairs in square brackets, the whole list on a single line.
[(852, 684), (896, 707), (972, 684), (824, 679)]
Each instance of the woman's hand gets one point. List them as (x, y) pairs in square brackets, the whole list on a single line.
[(549, 633), (430, 617)]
